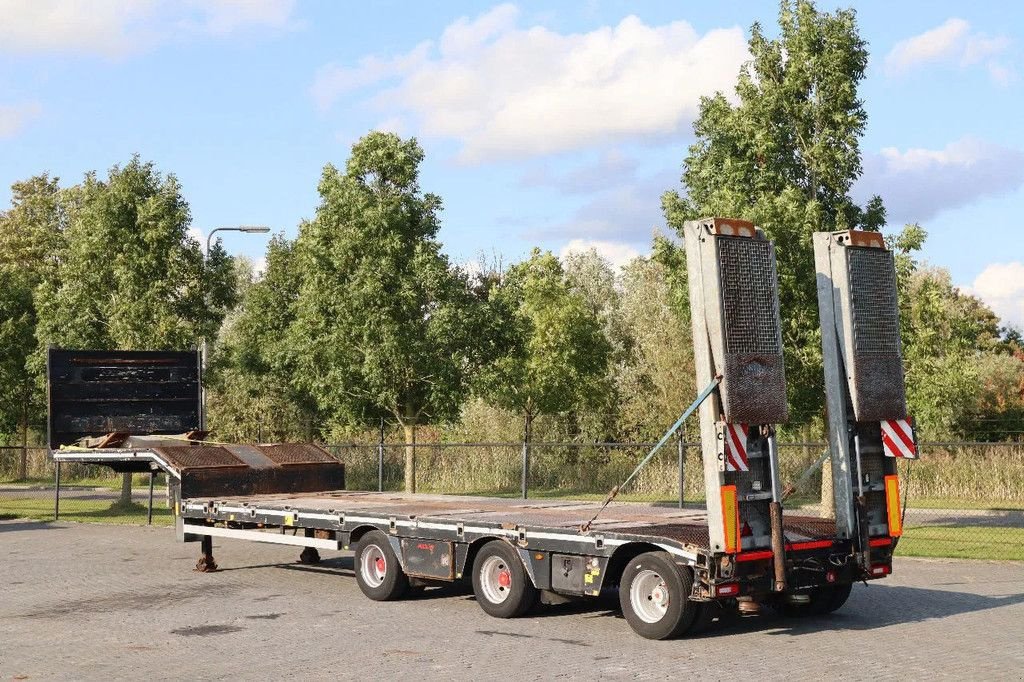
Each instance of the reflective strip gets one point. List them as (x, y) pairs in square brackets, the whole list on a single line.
[(260, 536), (736, 447), (898, 438), (892, 505), (730, 518)]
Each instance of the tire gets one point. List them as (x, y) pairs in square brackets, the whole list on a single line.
[(840, 593), (824, 599), (500, 582), (378, 571), (713, 615), (654, 595)]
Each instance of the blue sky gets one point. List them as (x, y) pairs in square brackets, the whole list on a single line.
[(550, 124)]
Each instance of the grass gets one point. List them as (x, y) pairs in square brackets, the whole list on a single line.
[(959, 542), (90, 511)]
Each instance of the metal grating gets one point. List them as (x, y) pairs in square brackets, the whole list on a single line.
[(199, 457), (876, 320), (747, 271), (753, 389), (877, 391), (296, 453)]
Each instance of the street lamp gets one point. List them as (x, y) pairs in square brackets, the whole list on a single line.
[(250, 229)]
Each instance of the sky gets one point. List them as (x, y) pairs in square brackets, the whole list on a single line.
[(556, 125)]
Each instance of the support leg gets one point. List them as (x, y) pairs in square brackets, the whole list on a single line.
[(309, 555), (206, 564)]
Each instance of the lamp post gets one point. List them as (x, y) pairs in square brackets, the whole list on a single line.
[(250, 229)]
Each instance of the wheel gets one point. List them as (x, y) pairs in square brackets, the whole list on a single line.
[(713, 614), (823, 599), (655, 596), (840, 593), (378, 572), (500, 583)]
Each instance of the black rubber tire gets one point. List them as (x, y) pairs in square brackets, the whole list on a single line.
[(713, 615), (840, 593), (521, 593), (680, 613), (395, 583), (824, 599)]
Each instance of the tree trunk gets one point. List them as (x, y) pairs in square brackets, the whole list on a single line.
[(23, 465), (126, 490), (410, 456)]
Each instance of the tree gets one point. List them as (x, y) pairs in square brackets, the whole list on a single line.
[(250, 373), (384, 324), (31, 242), (959, 375), (130, 276), (657, 379), (785, 156), (557, 356)]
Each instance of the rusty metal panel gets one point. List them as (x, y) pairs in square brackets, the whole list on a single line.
[(877, 387), (753, 388), (284, 454), (198, 457)]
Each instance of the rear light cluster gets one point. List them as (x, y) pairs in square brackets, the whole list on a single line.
[(727, 590), (880, 570)]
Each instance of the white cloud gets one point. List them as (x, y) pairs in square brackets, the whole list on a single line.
[(616, 253), (113, 28), (1001, 286), (505, 91), (952, 42), (221, 17), (14, 117), (198, 235), (917, 184)]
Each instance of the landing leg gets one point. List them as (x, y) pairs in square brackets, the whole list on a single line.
[(309, 554), (206, 564)]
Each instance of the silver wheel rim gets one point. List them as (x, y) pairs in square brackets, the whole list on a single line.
[(495, 579), (649, 596), (373, 565)]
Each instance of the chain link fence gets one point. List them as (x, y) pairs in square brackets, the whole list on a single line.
[(964, 500)]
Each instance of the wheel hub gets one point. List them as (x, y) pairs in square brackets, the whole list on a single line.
[(649, 596)]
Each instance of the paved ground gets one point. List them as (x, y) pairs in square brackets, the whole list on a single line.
[(94, 601)]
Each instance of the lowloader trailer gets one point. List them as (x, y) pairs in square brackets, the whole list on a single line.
[(675, 571)]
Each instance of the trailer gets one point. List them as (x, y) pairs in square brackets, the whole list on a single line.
[(675, 571)]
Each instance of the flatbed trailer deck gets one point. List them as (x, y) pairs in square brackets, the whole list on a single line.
[(431, 538)]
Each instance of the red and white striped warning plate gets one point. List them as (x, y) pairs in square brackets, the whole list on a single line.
[(736, 447), (898, 438)]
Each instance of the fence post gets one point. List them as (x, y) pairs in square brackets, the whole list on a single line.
[(149, 512), (526, 457), (681, 448), (56, 491), (380, 458)]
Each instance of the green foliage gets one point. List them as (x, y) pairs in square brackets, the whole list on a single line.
[(656, 380), (557, 356), (251, 392), (961, 382), (131, 277), (383, 323), (31, 243), (785, 156)]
